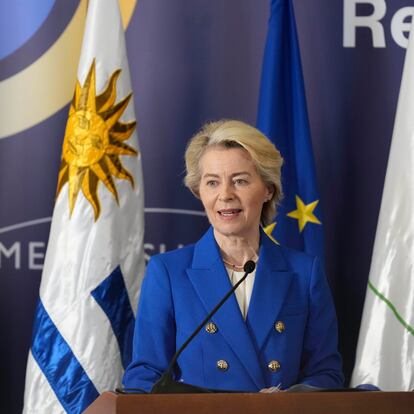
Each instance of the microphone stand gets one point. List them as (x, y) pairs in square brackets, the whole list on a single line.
[(166, 384)]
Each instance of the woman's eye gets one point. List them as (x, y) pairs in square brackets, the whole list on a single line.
[(240, 181), (211, 183)]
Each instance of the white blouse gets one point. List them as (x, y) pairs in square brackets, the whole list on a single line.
[(244, 291)]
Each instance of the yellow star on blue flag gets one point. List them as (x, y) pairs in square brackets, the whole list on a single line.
[(269, 230), (304, 213)]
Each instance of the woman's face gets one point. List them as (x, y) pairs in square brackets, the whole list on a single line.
[(232, 191)]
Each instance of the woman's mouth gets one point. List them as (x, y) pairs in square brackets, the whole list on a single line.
[(229, 212)]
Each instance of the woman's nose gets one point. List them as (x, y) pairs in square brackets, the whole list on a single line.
[(226, 193)]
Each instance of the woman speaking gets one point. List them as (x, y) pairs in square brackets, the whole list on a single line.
[(279, 328)]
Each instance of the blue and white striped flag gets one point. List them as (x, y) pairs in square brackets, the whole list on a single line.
[(94, 262)]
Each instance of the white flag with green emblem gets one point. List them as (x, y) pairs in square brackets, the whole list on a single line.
[(385, 354), (82, 335)]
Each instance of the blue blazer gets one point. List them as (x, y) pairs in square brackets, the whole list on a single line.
[(182, 286)]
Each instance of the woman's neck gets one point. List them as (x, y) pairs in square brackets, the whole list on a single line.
[(236, 251)]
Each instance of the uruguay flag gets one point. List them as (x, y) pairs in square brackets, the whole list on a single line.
[(283, 118), (82, 335)]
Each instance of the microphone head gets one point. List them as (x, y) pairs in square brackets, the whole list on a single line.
[(249, 266)]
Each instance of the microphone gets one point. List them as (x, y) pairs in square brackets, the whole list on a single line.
[(166, 384), (248, 267)]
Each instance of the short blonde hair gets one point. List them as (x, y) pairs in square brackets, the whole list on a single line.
[(233, 134)]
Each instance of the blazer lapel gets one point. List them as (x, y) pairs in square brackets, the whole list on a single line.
[(210, 280), (271, 285)]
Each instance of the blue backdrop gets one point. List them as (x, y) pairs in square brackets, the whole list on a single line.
[(192, 62)]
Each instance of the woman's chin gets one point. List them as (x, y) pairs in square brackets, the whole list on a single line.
[(232, 230)]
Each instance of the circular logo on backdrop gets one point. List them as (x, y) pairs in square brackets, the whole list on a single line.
[(27, 32), (13, 35), (38, 38)]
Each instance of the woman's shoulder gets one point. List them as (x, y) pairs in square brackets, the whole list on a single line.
[(297, 255), (306, 266), (292, 257), (181, 256), (296, 261)]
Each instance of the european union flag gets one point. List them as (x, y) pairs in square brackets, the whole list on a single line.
[(283, 118)]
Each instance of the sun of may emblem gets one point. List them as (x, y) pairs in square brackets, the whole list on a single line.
[(94, 140)]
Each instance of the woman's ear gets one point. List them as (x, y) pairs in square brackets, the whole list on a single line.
[(270, 192)]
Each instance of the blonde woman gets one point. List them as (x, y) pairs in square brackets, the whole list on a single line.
[(279, 328)]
